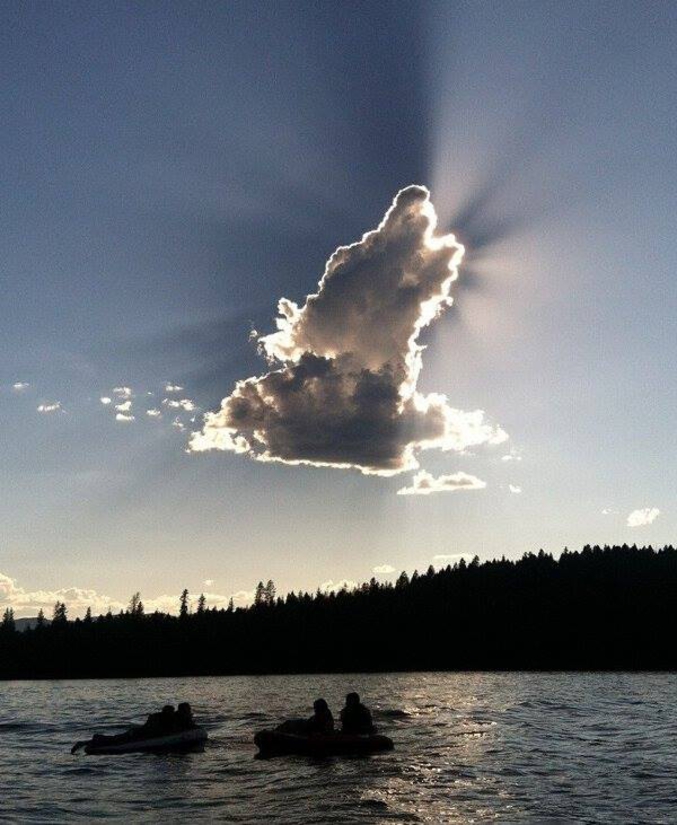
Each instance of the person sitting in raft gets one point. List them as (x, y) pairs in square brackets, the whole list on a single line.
[(321, 721), (184, 717), (160, 723), (355, 717)]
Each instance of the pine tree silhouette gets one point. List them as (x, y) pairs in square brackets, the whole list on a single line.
[(183, 605)]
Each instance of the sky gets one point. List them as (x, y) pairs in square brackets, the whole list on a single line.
[(173, 172)]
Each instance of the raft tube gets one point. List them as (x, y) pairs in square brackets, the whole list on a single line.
[(273, 742), (133, 742)]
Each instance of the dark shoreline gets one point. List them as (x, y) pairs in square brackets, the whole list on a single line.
[(607, 609)]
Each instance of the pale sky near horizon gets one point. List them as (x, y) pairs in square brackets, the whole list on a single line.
[(171, 172)]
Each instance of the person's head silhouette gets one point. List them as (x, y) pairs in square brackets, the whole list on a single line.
[(352, 700)]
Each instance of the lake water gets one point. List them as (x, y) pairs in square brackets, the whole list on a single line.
[(470, 747)]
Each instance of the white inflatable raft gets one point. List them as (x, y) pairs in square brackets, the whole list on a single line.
[(134, 742)]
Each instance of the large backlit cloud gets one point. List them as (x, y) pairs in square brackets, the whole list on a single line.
[(423, 484), (345, 365)]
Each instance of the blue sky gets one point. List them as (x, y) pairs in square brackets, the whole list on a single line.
[(172, 171)]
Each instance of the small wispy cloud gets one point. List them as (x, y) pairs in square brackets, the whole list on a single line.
[(384, 569), (50, 407), (154, 413), (242, 597), (173, 388), (20, 386), (643, 516), (514, 488), (186, 404), (124, 417), (451, 558), (106, 400), (122, 392), (609, 511), (513, 455), (209, 582), (178, 424), (331, 586), (423, 484), (124, 407)]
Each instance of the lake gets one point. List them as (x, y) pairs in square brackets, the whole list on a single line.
[(470, 747)]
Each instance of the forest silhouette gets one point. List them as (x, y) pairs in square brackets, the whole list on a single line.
[(603, 608)]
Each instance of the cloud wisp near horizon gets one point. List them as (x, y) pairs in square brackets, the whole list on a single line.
[(27, 603), (343, 390), (424, 483)]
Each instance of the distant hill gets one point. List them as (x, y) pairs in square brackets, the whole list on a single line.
[(29, 622)]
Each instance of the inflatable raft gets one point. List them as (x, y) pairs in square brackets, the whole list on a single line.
[(274, 742), (133, 741)]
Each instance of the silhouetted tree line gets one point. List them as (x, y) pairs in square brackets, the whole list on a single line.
[(600, 608)]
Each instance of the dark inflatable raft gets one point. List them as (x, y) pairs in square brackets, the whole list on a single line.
[(273, 742), (135, 742)]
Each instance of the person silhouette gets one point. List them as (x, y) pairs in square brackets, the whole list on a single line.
[(322, 720), (158, 723), (356, 717), (184, 717)]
